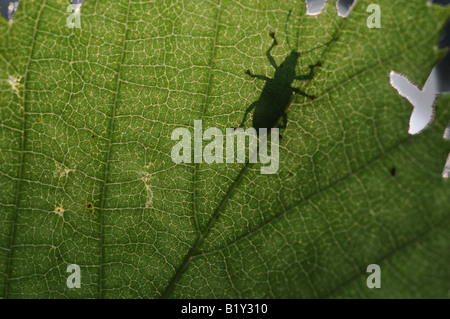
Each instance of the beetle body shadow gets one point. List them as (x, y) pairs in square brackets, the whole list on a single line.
[(276, 95)]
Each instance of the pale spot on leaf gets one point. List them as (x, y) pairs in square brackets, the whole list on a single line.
[(15, 84), (61, 170), (59, 210), (146, 178)]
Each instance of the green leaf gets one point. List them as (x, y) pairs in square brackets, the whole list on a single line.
[(87, 178)]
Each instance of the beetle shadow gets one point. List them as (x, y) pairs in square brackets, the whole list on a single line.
[(269, 111)]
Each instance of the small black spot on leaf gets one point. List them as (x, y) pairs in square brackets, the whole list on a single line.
[(89, 206), (393, 171)]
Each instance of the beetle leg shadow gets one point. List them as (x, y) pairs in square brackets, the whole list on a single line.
[(269, 54), (284, 123), (269, 57), (259, 77), (310, 75), (300, 92), (249, 109)]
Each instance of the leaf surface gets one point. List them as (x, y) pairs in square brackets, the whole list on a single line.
[(87, 177)]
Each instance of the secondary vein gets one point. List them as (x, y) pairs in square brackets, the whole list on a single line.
[(22, 155), (108, 154)]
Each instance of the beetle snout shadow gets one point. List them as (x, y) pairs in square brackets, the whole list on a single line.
[(276, 95)]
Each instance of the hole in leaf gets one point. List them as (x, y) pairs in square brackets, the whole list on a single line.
[(344, 7), (422, 100), (314, 7), (77, 2), (446, 172), (447, 132), (8, 8)]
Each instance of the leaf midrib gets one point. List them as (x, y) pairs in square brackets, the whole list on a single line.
[(307, 199), (108, 152), (205, 102)]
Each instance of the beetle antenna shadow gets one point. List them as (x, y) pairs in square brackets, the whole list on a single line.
[(285, 29)]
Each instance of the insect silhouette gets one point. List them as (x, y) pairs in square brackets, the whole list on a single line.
[(276, 95)]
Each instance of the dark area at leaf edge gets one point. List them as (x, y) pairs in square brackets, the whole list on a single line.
[(443, 66)]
